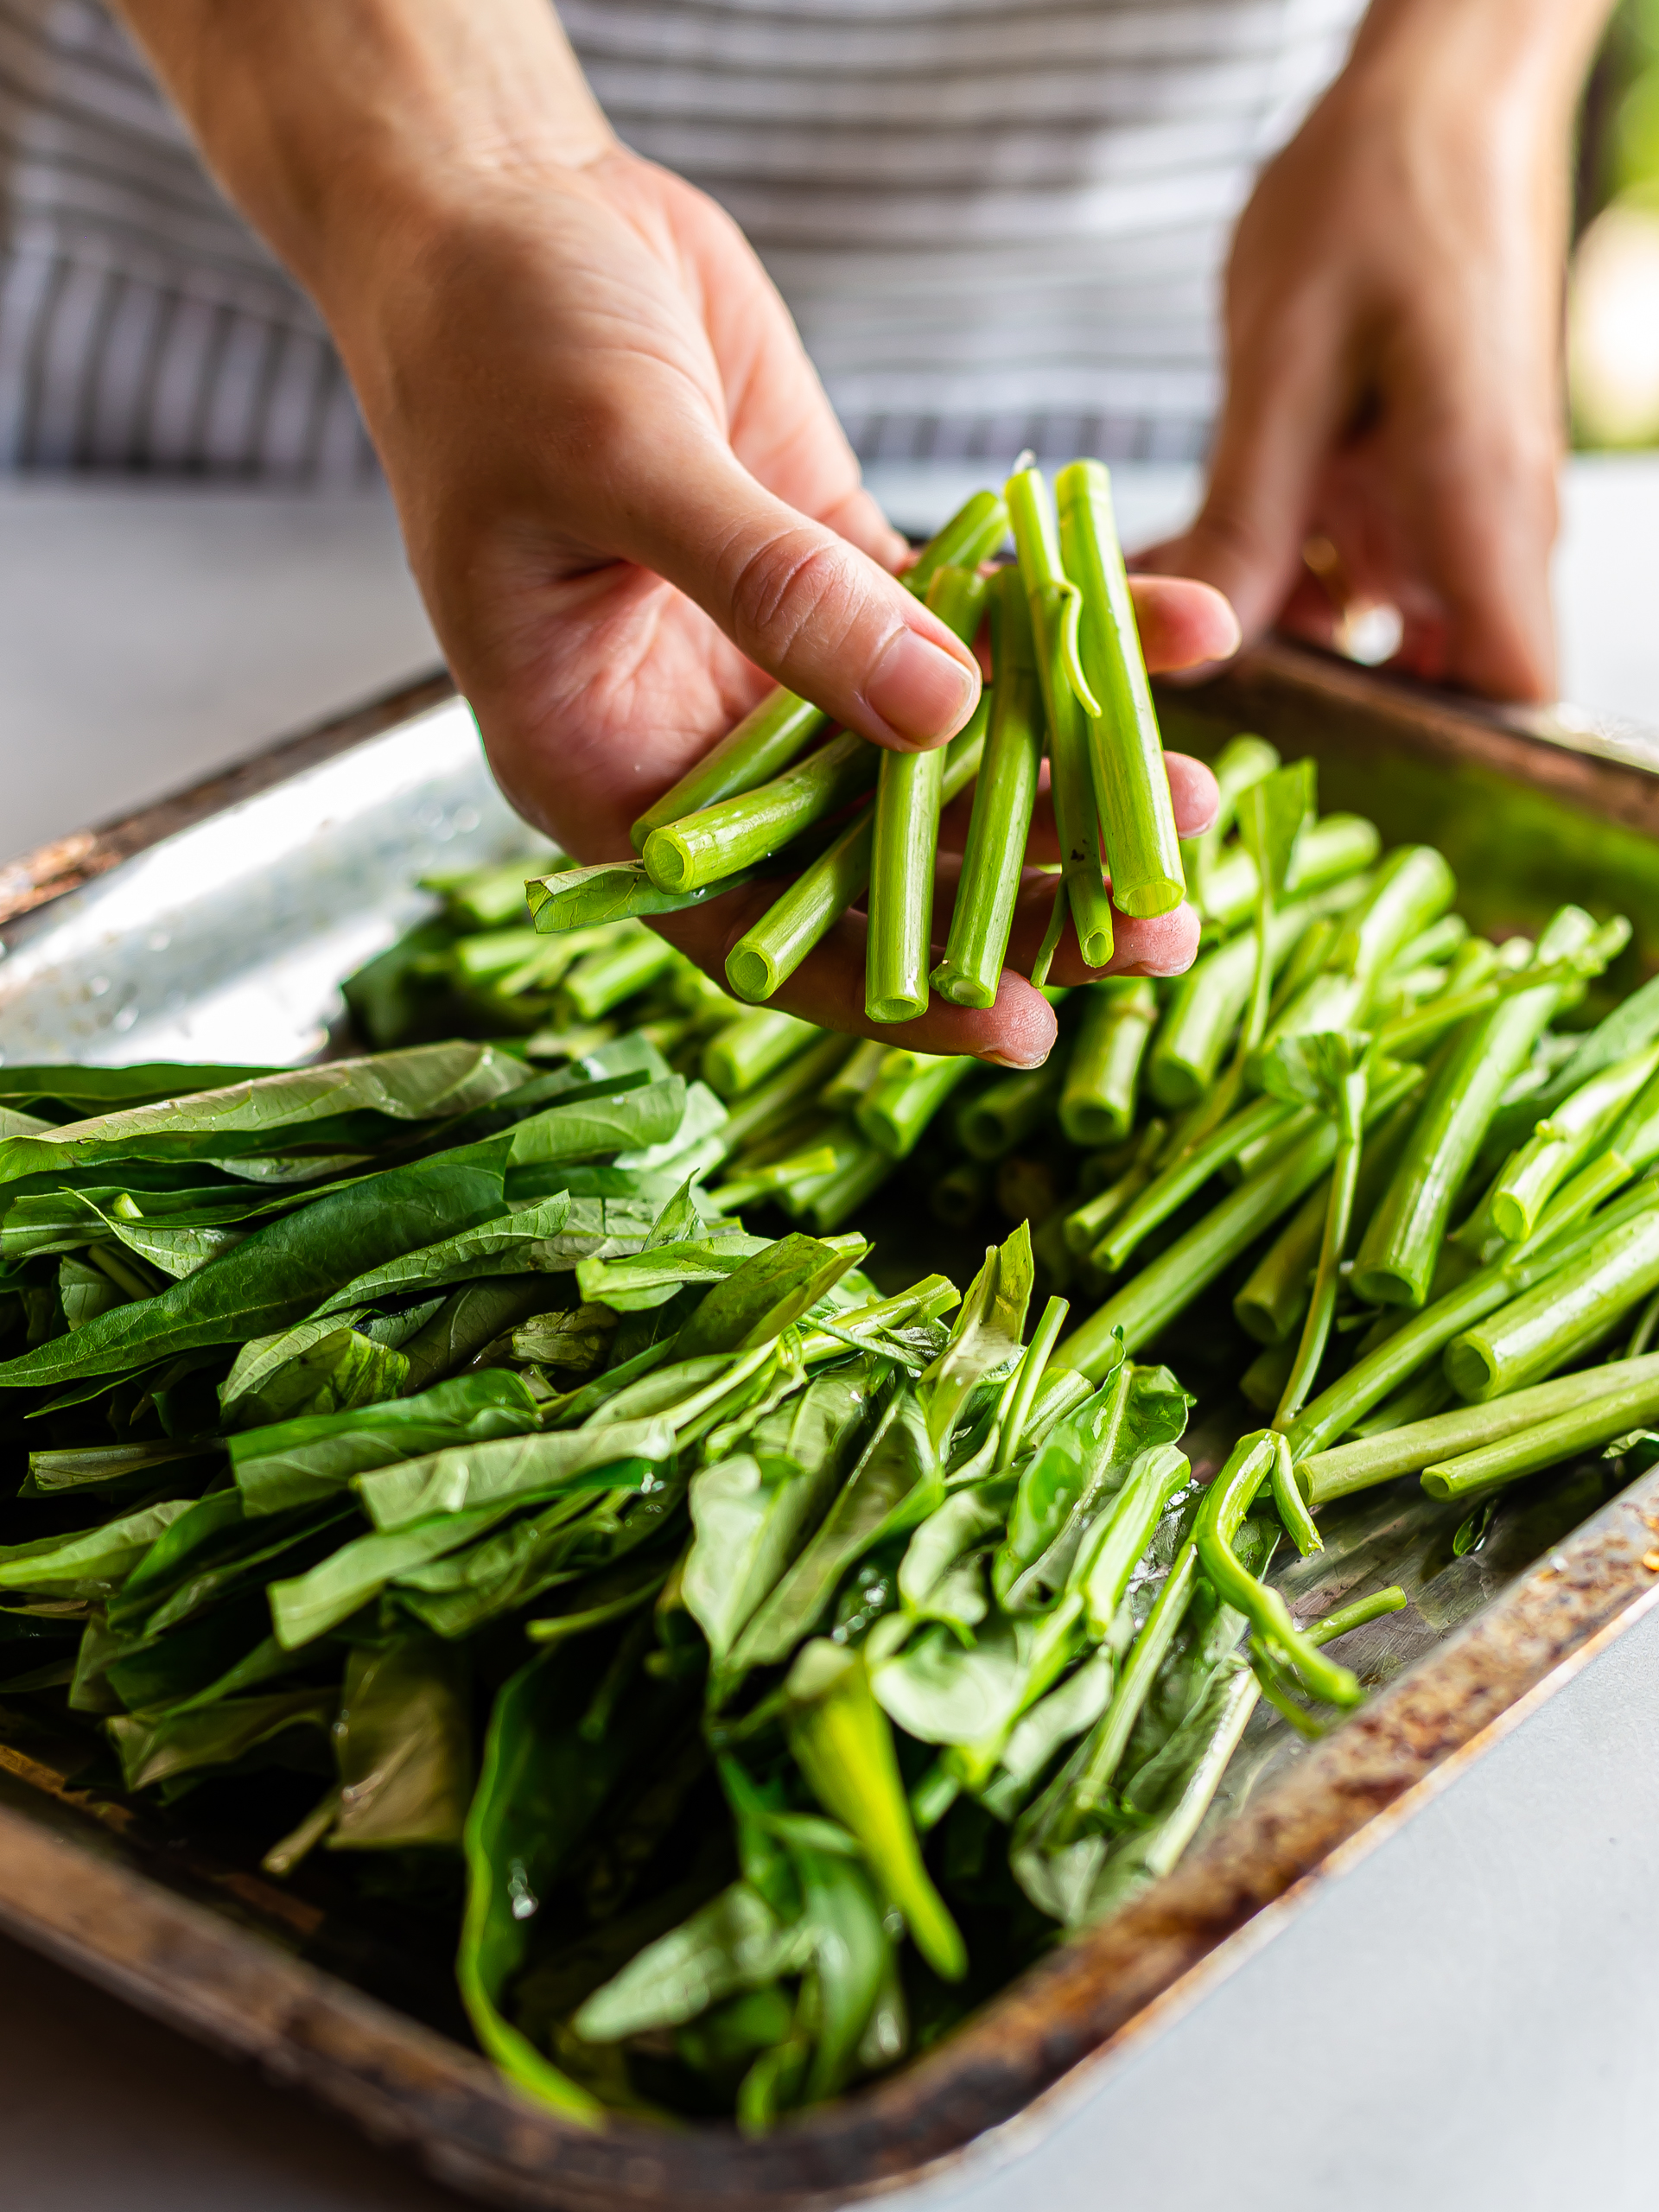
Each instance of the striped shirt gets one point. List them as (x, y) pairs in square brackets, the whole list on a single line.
[(998, 223)]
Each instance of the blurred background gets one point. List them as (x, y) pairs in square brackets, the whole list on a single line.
[(1614, 299)]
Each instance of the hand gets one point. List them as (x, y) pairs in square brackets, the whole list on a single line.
[(1393, 327), (625, 497)]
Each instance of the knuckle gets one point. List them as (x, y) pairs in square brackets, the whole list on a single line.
[(789, 587)]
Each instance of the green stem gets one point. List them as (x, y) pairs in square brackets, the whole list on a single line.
[(1131, 784), (1350, 1467), (1560, 1141), (1159, 1292), (1007, 1111), (1339, 1215), (1022, 1392), (1107, 1745), (795, 1081), (901, 1102), (1560, 1316), (1097, 1100), (1205, 1006), (904, 846), (973, 534), (1054, 608), (1226, 1501), (1546, 1445), (1003, 799), (768, 954), (1397, 1257), (1329, 851), (1359, 1614), (771, 736), (1190, 1172), (1414, 888), (746, 1051), (1275, 1294), (1399, 1356), (1085, 1225), (719, 839)]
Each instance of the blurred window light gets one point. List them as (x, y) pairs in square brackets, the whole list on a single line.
[(1613, 326)]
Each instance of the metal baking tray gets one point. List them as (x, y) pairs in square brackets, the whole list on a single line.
[(218, 925)]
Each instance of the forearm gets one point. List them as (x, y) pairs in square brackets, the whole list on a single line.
[(331, 122), (1533, 53)]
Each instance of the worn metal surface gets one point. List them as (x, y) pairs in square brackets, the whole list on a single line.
[(215, 1949), (217, 925)]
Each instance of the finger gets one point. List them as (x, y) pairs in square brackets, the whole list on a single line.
[(1192, 789), (1166, 944), (1182, 624), (801, 601), (827, 988), (1194, 793), (1285, 405)]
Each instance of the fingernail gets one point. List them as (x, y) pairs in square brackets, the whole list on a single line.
[(1008, 1060), (919, 691)]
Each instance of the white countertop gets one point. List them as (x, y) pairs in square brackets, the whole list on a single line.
[(1467, 2018)]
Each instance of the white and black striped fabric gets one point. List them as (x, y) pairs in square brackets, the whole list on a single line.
[(999, 223)]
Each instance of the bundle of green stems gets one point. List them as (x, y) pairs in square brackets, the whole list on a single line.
[(845, 820)]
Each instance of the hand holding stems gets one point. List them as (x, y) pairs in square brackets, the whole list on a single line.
[(1393, 314), (625, 497)]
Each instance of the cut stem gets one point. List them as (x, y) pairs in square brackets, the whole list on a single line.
[(904, 846), (1055, 605), (1097, 1102), (1131, 784), (1349, 1467), (1003, 799), (768, 954)]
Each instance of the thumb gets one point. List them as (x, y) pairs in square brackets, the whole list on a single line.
[(1279, 420), (804, 604)]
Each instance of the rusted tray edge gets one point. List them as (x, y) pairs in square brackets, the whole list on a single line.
[(64, 864), (1041, 2044)]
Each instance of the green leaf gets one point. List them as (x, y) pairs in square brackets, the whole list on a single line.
[(222, 1735), (318, 1367), (87, 1090), (1270, 817), (403, 1745), (543, 1790), (843, 1746), (753, 1512), (83, 1292), (735, 1942), (518, 1468), (987, 1334), (941, 1693), (583, 898), (308, 1605), (627, 1121), (427, 1083), (641, 1280), (292, 1463), (1310, 1070), (91, 1561), (513, 1243), (894, 1485), (774, 1287), (280, 1272)]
